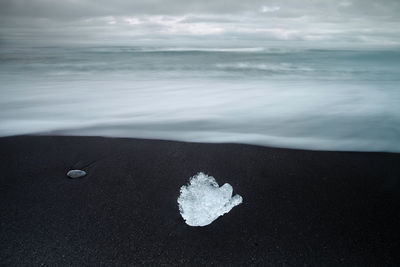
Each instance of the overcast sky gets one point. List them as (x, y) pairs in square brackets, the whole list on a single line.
[(309, 23)]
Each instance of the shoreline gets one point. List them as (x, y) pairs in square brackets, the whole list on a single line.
[(300, 207)]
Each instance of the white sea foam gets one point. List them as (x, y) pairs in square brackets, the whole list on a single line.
[(204, 49), (202, 201), (263, 66)]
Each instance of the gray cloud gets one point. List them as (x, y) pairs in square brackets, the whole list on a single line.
[(75, 8), (310, 22)]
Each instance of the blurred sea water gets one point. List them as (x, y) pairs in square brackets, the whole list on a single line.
[(312, 99)]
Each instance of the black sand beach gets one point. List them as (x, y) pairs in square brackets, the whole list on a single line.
[(300, 208)]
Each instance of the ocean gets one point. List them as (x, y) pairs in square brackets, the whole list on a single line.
[(282, 97)]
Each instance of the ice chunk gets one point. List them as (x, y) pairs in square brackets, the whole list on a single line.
[(202, 200)]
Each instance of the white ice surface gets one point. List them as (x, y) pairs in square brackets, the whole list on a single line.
[(202, 200)]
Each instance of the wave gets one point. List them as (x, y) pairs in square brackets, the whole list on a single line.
[(281, 67), (296, 113), (192, 49)]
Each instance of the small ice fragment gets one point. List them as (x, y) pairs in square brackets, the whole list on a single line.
[(76, 173), (202, 200)]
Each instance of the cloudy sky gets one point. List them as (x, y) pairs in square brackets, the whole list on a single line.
[(310, 23)]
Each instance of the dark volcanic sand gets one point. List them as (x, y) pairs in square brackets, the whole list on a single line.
[(300, 208)]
